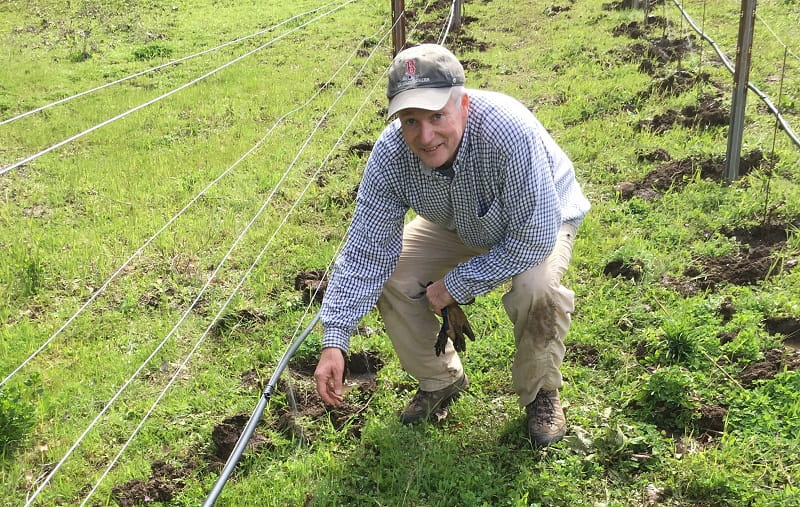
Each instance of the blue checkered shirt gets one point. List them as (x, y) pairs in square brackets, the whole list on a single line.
[(512, 189)]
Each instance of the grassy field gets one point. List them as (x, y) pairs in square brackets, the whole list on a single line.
[(151, 269)]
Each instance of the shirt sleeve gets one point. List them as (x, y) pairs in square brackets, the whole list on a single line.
[(527, 206), (368, 258)]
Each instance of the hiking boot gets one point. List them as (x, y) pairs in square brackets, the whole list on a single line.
[(425, 404), (546, 422)]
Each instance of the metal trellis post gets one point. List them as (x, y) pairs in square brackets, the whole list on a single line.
[(741, 77)]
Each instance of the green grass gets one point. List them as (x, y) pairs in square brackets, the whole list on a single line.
[(72, 217)]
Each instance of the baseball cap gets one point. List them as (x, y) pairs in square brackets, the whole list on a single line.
[(422, 77)]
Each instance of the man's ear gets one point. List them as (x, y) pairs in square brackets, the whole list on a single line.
[(465, 101)]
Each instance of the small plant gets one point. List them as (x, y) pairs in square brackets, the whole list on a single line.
[(680, 343), (151, 51), (667, 399), (16, 419)]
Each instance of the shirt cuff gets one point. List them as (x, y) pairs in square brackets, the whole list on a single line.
[(336, 337), (460, 292)]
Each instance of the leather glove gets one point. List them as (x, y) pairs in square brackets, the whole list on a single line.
[(454, 326)]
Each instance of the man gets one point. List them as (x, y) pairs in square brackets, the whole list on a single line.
[(495, 199)]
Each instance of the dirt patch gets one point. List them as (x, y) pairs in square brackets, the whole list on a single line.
[(654, 54), (306, 411), (360, 149), (312, 284), (775, 361), (772, 233), (656, 155), (164, 482), (672, 84), (585, 355), (628, 269), (557, 9), (227, 433), (244, 318), (712, 418), (788, 327), (726, 310), (708, 113), (628, 4), (753, 262), (675, 174)]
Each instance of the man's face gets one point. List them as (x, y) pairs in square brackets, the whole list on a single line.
[(434, 136)]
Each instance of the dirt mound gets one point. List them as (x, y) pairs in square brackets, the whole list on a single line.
[(585, 355), (312, 284), (631, 270), (227, 433), (712, 418), (629, 4), (753, 262), (165, 480), (675, 174), (775, 361), (789, 327), (708, 113), (654, 54)]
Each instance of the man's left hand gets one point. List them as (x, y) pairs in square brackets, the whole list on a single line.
[(438, 296)]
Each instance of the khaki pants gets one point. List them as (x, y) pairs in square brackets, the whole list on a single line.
[(537, 304)]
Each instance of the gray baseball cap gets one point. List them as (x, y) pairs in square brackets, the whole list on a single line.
[(423, 77)]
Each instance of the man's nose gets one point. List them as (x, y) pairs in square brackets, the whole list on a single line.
[(425, 132)]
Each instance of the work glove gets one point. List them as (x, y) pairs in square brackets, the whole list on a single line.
[(454, 326)]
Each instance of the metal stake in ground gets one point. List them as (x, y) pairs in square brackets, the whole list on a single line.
[(741, 76)]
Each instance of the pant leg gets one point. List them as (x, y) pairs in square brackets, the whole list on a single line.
[(429, 252), (540, 307)]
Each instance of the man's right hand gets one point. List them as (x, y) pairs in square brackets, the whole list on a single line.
[(330, 375)]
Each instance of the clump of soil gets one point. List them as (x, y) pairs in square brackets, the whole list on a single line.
[(656, 155), (312, 284), (712, 418), (628, 4), (585, 355), (752, 263), (557, 9), (655, 54), (789, 327), (708, 113), (771, 233), (631, 270), (674, 84), (227, 433), (775, 361), (675, 174), (363, 148), (164, 481), (306, 409), (246, 318)]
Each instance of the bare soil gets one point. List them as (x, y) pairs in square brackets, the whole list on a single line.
[(164, 481), (673, 175), (775, 361)]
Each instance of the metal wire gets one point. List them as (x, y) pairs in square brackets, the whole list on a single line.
[(169, 93), (130, 259), (157, 67), (764, 98)]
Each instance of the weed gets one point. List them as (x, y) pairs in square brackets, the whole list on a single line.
[(667, 398), (16, 416), (151, 51)]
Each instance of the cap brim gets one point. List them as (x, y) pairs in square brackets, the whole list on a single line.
[(431, 99)]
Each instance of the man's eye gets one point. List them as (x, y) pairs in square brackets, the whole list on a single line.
[(438, 116)]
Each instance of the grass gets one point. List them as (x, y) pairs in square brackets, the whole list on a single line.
[(643, 358)]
